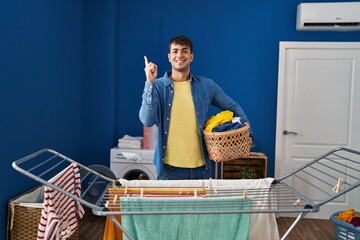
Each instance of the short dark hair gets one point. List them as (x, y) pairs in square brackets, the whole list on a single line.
[(181, 40)]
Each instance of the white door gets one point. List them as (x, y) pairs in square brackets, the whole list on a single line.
[(319, 106)]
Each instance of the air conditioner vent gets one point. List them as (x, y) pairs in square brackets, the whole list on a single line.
[(332, 24)]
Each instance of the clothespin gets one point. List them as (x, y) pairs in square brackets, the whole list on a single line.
[(297, 202), (203, 186), (195, 193), (337, 187), (115, 198), (244, 194), (113, 184), (142, 192), (126, 189), (107, 204), (215, 191)]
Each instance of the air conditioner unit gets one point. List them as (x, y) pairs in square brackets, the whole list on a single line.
[(339, 16)]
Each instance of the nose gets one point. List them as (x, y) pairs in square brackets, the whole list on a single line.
[(180, 56)]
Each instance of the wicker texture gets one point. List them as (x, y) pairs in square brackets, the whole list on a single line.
[(25, 225), (229, 145), (26, 221)]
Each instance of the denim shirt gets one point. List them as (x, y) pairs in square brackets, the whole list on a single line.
[(156, 109)]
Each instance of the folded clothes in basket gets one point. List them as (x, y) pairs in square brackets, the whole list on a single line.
[(355, 221), (349, 216), (228, 126), (218, 119), (346, 215)]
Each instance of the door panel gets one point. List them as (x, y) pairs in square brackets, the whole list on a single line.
[(318, 99)]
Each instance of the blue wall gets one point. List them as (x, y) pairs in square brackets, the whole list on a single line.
[(71, 72), (41, 93), (100, 82), (57, 75)]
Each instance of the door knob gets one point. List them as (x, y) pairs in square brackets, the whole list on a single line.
[(286, 132)]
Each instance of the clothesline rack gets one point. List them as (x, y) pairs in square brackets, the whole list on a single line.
[(331, 175)]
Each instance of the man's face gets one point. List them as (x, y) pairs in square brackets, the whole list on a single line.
[(180, 57)]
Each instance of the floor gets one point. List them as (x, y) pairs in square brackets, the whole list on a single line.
[(307, 229)]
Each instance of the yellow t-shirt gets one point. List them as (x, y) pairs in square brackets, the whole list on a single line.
[(183, 145)]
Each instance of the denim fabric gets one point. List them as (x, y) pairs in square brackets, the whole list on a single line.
[(176, 173), (156, 108)]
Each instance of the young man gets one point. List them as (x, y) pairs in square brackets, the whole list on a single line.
[(178, 104)]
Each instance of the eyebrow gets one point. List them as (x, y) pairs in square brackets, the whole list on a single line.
[(185, 48)]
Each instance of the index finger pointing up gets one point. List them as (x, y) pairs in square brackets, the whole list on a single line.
[(146, 61)]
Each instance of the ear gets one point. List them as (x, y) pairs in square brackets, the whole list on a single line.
[(192, 57), (169, 57)]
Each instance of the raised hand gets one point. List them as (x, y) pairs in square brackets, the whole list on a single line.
[(150, 70)]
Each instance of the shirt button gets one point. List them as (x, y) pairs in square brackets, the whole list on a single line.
[(165, 132), (167, 119), (169, 104)]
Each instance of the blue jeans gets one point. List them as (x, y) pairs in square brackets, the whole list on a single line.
[(176, 173)]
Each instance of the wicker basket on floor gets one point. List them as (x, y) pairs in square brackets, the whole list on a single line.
[(229, 145), (25, 221)]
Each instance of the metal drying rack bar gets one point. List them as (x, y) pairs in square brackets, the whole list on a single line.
[(331, 175)]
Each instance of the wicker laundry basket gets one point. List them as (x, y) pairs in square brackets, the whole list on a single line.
[(25, 221), (229, 145)]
